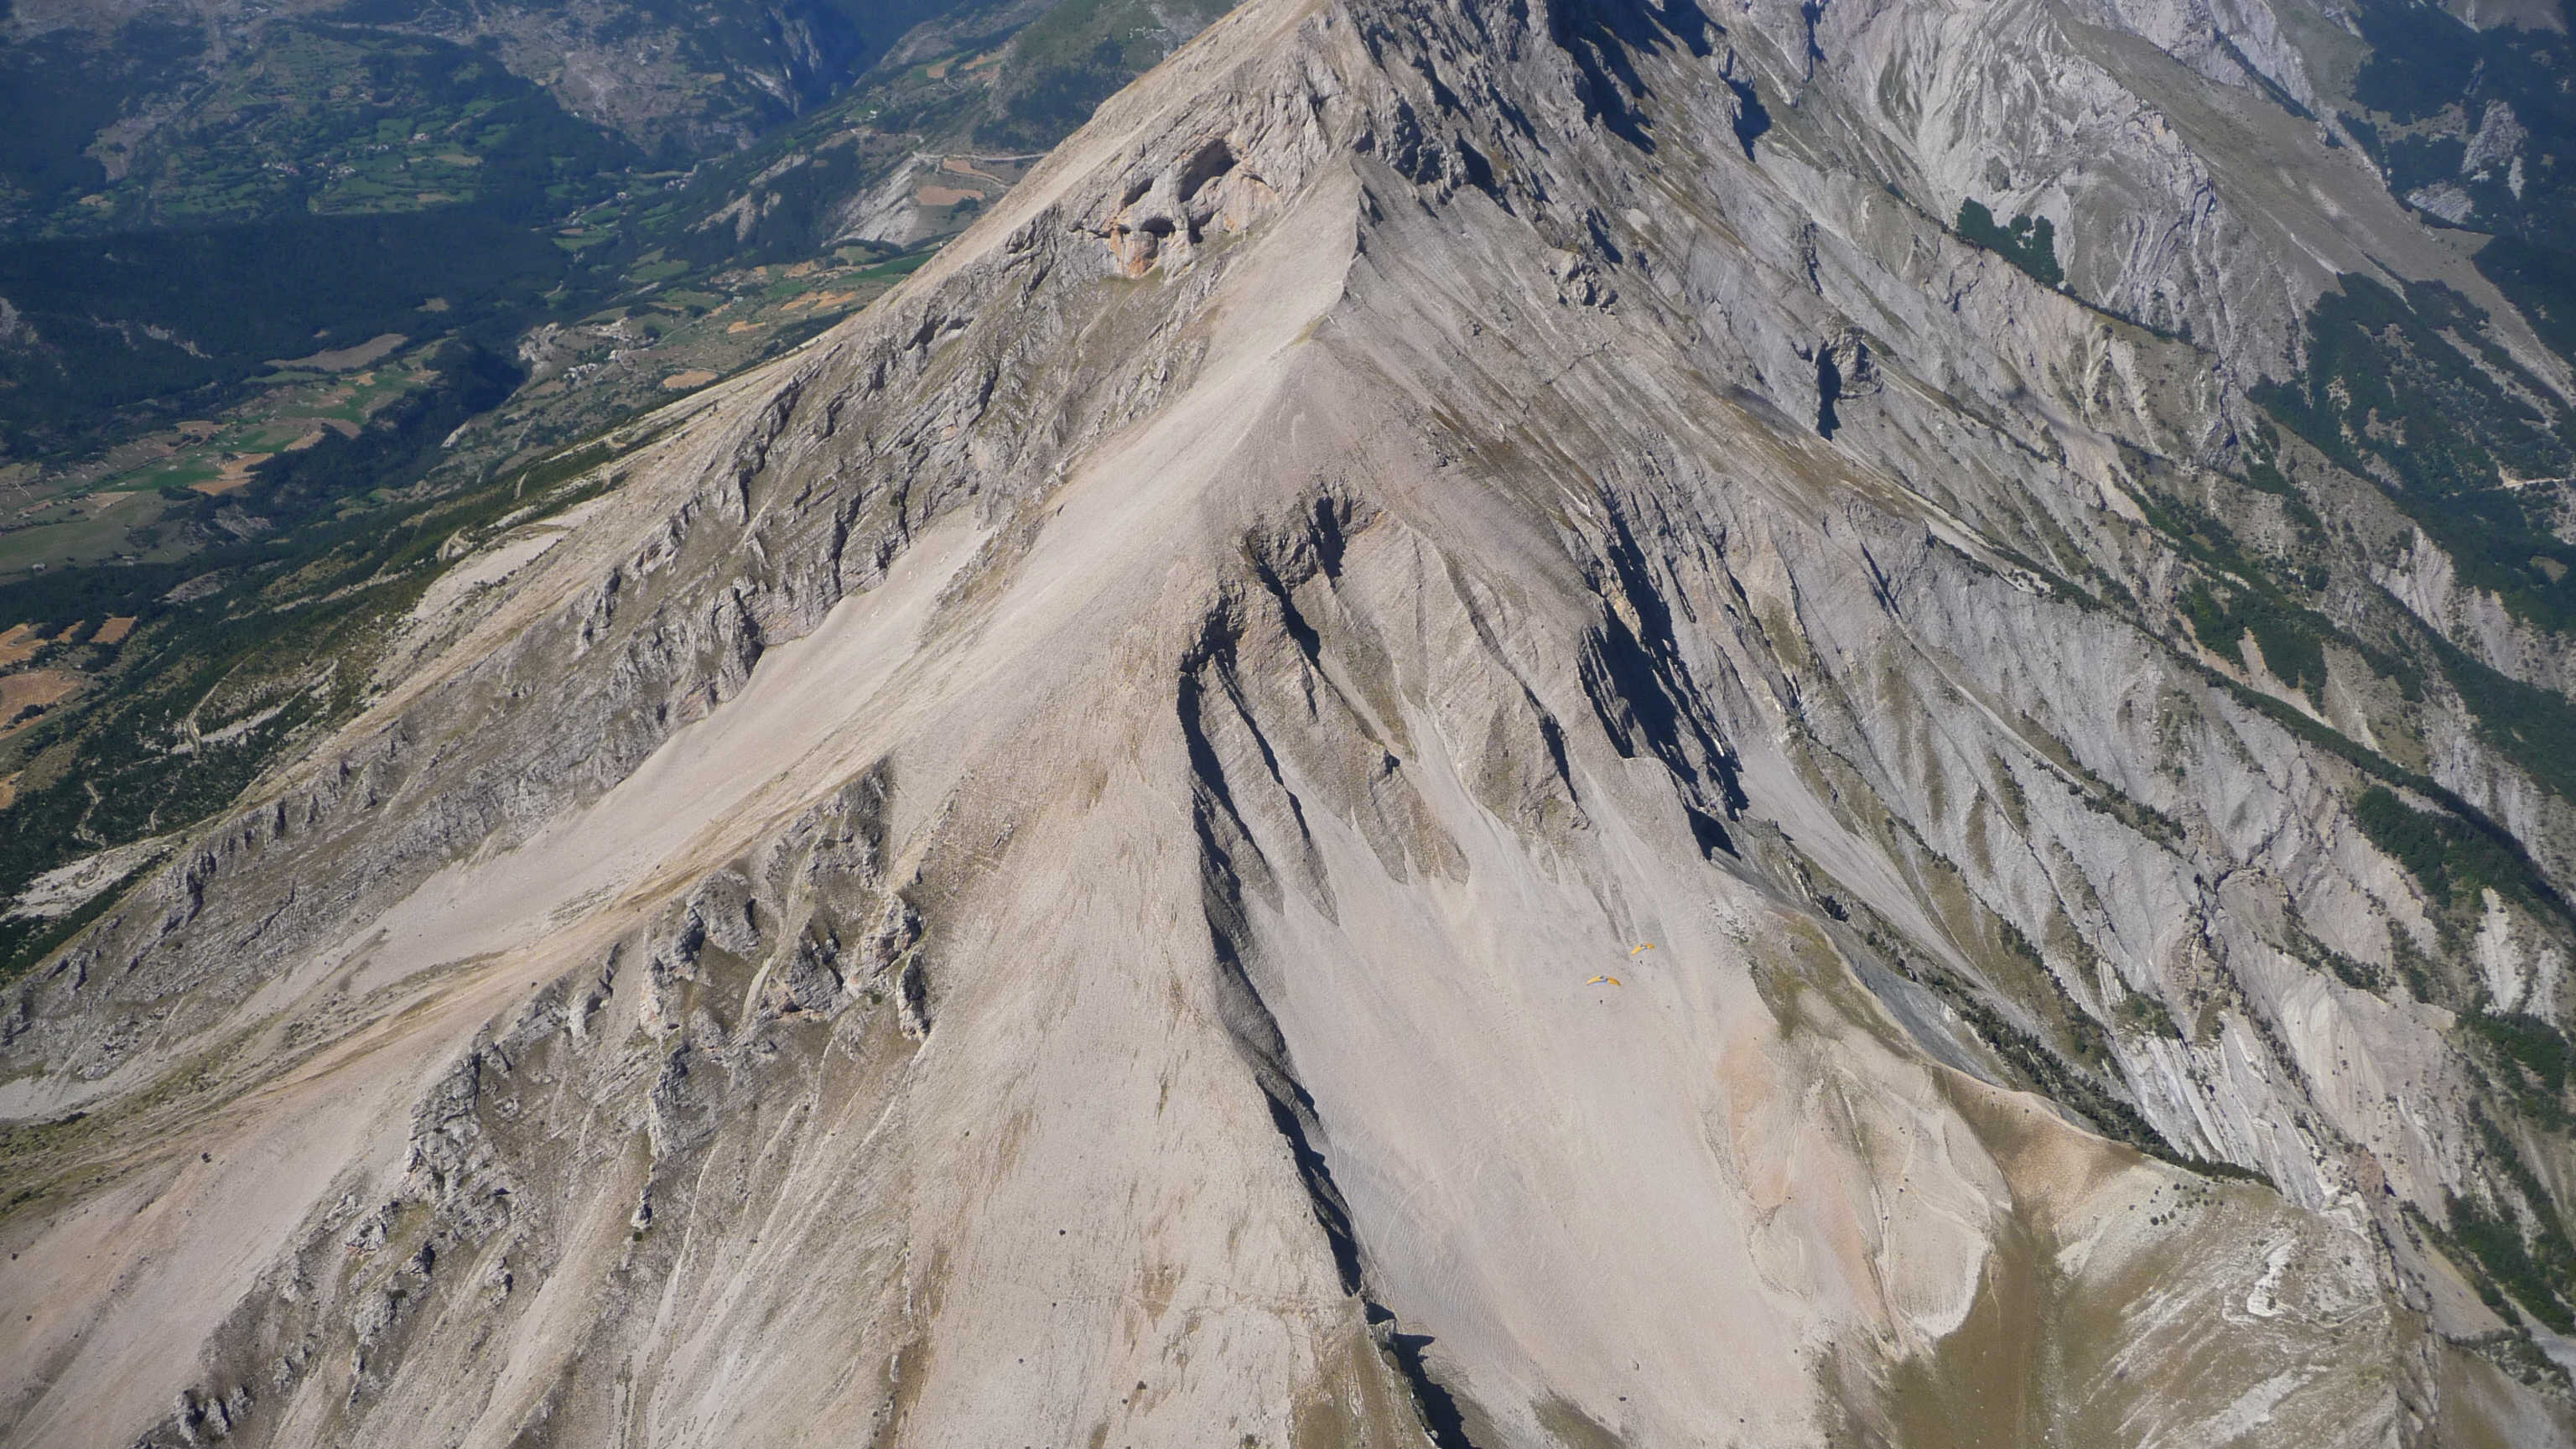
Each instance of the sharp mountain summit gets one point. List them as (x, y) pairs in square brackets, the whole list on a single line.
[(1497, 724)]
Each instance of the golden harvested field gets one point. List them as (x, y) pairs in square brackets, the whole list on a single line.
[(21, 642), (36, 686), (818, 299), (236, 473), (341, 359), (113, 629), (965, 166)]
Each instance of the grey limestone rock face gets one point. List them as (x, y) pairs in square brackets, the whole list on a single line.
[(1465, 737)]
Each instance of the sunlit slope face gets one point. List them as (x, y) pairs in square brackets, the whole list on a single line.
[(1072, 859)]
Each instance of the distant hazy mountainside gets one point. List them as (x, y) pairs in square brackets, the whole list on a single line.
[(498, 166), (121, 116), (1493, 725), (677, 81)]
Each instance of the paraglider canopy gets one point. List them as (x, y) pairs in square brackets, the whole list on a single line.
[(1597, 980)]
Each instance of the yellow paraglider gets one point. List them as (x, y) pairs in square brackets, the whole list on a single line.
[(1597, 980), (1646, 947)]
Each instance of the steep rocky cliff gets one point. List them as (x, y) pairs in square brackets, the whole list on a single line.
[(1580, 723)]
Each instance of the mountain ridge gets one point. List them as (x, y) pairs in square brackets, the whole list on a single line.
[(1150, 727)]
